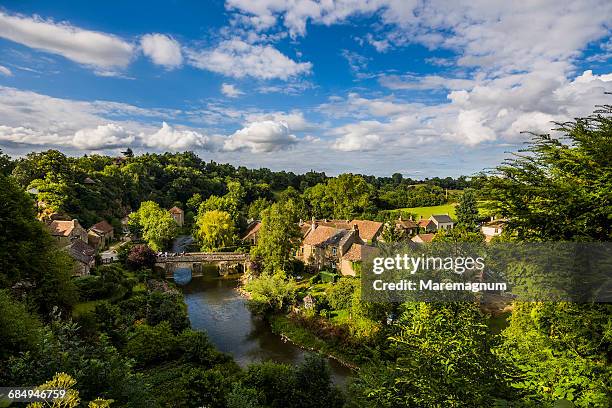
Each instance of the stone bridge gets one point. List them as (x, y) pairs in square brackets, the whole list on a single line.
[(227, 262)]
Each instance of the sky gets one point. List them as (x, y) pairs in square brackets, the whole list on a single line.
[(423, 88)]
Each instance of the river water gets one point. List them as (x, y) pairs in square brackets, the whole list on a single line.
[(215, 307)]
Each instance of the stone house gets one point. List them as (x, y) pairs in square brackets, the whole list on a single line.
[(83, 255), (325, 246), (100, 235), (178, 215), (65, 232), (408, 227)]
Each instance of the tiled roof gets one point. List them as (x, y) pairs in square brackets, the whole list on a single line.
[(424, 222), (367, 229), (252, 230), (423, 237), (406, 223), (357, 252), (320, 235), (441, 218), (175, 210), (62, 228), (103, 227), (80, 251)]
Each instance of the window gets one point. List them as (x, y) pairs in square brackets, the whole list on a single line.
[(334, 250)]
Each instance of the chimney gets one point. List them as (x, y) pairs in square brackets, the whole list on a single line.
[(313, 226), (411, 218), (301, 222), (356, 230), (400, 218)]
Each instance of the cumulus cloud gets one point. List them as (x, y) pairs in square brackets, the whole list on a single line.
[(230, 90), (162, 49), (100, 50), (29, 136), (102, 137), (261, 137), (169, 138), (295, 120), (238, 59), (5, 71), (351, 142)]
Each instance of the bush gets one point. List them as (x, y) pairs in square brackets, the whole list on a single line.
[(152, 344), (141, 256)]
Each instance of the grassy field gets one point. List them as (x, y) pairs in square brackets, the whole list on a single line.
[(426, 212)]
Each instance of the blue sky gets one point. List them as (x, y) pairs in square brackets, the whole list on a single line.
[(425, 88)]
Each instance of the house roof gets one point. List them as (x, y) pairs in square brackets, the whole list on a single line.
[(62, 228), (357, 252), (424, 222), (367, 229), (175, 210), (103, 227), (338, 224), (88, 180), (423, 237), (252, 229), (320, 235), (405, 223), (438, 218), (81, 252)]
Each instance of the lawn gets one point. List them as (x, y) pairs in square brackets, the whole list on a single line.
[(83, 308), (427, 212)]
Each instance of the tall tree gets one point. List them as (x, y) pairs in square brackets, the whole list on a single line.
[(467, 211), (278, 237), (215, 230), (155, 224)]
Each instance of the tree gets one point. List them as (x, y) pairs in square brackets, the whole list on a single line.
[(350, 196), (141, 256), (467, 211), (558, 188), (340, 295), (270, 293), (215, 230), (278, 237), (156, 225), (444, 359)]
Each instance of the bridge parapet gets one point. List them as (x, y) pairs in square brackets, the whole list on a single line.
[(204, 257)]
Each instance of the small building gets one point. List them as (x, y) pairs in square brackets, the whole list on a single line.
[(369, 231), (64, 232), (492, 228), (427, 225), (351, 261), (442, 222), (408, 227), (251, 235), (178, 215), (423, 238), (100, 234), (84, 257)]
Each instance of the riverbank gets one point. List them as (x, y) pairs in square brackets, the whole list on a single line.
[(291, 331)]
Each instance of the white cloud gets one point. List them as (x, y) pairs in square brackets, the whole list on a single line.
[(295, 120), (102, 137), (5, 71), (351, 142), (162, 50), (169, 138), (230, 90), (238, 59), (29, 136), (100, 50), (261, 137)]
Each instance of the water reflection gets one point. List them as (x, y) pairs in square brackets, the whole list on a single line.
[(215, 306)]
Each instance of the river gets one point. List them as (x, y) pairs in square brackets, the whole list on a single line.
[(215, 307)]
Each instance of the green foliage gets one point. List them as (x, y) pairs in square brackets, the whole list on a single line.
[(343, 197), (558, 188), (560, 351), (156, 225), (270, 293), (215, 230), (278, 237), (340, 295), (20, 330), (444, 358), (467, 211), (152, 344), (28, 255)]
